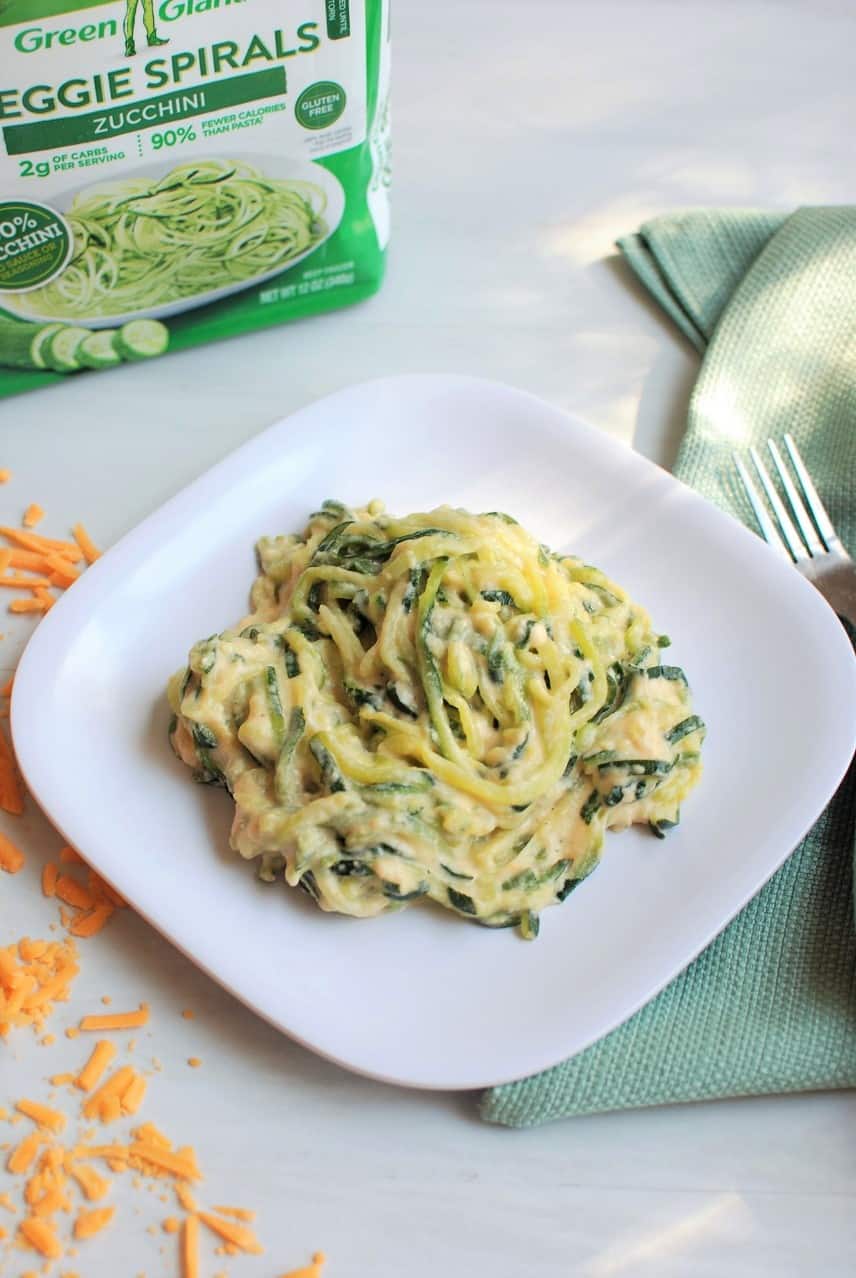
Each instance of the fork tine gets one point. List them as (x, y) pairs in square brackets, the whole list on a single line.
[(815, 505), (789, 532), (768, 528), (797, 505)]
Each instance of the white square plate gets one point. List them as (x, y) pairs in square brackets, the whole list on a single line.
[(419, 997)]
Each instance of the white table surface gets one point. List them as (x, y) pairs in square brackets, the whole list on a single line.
[(526, 138)]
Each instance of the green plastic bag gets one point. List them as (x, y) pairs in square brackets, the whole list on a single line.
[(178, 171)]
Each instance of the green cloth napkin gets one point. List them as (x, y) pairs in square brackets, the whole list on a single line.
[(770, 1006)]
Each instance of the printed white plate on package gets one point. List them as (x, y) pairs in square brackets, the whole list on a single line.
[(420, 997), (303, 190)]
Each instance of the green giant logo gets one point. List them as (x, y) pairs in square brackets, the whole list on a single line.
[(33, 39), (152, 37)]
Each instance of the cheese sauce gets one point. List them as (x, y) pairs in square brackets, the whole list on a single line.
[(435, 706)]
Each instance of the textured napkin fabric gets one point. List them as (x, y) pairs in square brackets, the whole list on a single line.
[(770, 302)]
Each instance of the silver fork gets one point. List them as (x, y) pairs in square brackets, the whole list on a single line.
[(815, 549)]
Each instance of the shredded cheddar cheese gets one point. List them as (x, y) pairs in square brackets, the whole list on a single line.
[(24, 583), (94, 902), (86, 544), (158, 1157), (102, 889), (41, 1236), (133, 1096), (239, 1213), (73, 893), (51, 559), (91, 1222), (61, 572), (33, 515), (11, 857), (184, 1196), (190, 1248), (89, 924), (36, 542), (94, 1186), (100, 1103), (42, 1115), (112, 1153), (57, 1182), (117, 1020), (53, 1200), (154, 1135), (111, 1109), (237, 1235), (29, 987), (29, 605), (102, 1054), (11, 800), (24, 1155), (32, 560), (29, 950)]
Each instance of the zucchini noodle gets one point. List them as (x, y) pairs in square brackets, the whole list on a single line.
[(435, 707), (140, 244)]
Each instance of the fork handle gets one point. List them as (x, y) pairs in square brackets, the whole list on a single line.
[(837, 584)]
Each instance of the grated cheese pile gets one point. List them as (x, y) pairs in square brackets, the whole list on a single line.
[(32, 567), (33, 976), (59, 1178), (35, 565), (91, 901)]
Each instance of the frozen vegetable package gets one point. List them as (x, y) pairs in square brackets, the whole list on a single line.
[(178, 171)]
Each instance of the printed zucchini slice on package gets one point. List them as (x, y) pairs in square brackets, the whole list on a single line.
[(178, 171)]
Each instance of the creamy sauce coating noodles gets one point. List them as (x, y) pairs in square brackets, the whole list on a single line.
[(435, 706)]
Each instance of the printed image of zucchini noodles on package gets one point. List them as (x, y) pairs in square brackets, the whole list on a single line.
[(146, 247)]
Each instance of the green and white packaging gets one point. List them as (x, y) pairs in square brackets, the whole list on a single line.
[(177, 171)]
